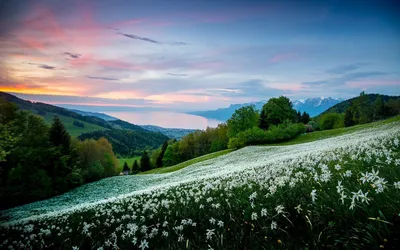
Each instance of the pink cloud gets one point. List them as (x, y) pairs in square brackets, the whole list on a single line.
[(283, 57), (372, 83)]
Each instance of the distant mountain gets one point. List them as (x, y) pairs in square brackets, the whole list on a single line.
[(176, 133), (313, 106)]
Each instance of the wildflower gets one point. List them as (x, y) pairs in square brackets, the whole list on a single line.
[(180, 238), (279, 209), (209, 234), (212, 221), (254, 216), (313, 195), (144, 244), (75, 248), (253, 196), (134, 240), (165, 233), (298, 208), (396, 185), (220, 223), (264, 212), (337, 167), (348, 173), (274, 225)]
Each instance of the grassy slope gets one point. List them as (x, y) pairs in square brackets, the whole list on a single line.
[(318, 135), (68, 123), (187, 163)]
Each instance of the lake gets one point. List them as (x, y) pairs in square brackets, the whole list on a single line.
[(165, 119)]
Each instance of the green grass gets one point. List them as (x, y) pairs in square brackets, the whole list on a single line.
[(71, 128), (187, 163), (129, 161), (320, 135)]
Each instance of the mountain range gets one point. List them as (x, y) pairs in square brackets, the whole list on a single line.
[(313, 106)]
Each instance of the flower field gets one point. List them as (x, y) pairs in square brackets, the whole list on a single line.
[(341, 192)]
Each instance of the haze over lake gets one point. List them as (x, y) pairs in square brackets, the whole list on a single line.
[(165, 119)]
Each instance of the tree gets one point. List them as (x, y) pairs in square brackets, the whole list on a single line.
[(59, 135), (242, 119), (126, 167), (331, 120), (145, 162), (276, 111), (298, 117), (263, 120), (159, 162), (305, 118), (348, 117), (135, 167), (378, 108)]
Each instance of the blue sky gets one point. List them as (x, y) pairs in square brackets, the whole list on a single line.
[(197, 55)]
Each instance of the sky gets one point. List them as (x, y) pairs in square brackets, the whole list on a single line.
[(197, 54)]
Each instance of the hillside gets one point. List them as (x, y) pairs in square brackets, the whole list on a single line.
[(176, 133), (342, 106), (124, 137), (268, 187)]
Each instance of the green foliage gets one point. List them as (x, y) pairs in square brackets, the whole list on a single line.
[(159, 161), (243, 118), (126, 167), (124, 142), (95, 171), (58, 135), (145, 162), (277, 111), (135, 167), (78, 124), (256, 136), (331, 121)]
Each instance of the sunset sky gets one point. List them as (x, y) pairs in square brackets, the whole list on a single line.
[(197, 54)]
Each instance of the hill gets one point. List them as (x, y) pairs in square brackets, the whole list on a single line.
[(176, 133), (124, 137), (250, 193), (313, 106), (342, 106)]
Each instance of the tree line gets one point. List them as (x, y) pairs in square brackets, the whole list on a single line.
[(38, 161)]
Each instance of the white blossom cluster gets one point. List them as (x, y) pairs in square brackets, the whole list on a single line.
[(140, 209)]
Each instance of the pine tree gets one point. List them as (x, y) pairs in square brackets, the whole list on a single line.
[(59, 136), (159, 162), (348, 118), (305, 118), (145, 162), (126, 167), (263, 121), (135, 167)]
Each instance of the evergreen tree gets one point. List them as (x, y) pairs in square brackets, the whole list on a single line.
[(126, 168), (159, 162), (305, 118), (145, 162), (298, 116), (59, 136), (263, 120), (378, 108), (348, 117), (135, 167)]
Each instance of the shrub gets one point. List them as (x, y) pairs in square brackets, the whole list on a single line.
[(331, 120), (96, 171)]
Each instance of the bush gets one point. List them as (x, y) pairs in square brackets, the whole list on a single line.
[(256, 136), (96, 171), (312, 126), (331, 121)]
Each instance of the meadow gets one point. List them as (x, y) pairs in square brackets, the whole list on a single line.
[(338, 192)]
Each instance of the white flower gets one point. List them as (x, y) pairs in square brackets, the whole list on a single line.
[(165, 233), (254, 216), (279, 209), (75, 248), (298, 208), (220, 223), (274, 225), (144, 244), (264, 212), (396, 185), (212, 221), (180, 238), (209, 234), (337, 167), (313, 195), (348, 173)]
